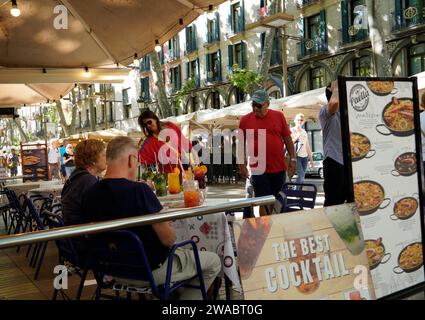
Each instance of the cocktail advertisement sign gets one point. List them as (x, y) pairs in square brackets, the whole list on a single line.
[(315, 254), (381, 137)]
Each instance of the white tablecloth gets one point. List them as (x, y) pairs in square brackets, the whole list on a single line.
[(211, 233), (51, 191)]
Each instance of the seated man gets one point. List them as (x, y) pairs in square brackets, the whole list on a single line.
[(118, 195)]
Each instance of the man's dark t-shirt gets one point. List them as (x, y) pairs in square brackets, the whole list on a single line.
[(111, 199)]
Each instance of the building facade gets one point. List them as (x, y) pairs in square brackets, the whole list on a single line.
[(322, 43)]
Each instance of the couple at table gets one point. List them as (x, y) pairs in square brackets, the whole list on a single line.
[(84, 199)]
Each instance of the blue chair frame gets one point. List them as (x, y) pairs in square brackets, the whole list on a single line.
[(122, 254), (299, 196), (67, 252)]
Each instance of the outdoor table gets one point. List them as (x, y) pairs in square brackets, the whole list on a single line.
[(51, 191), (3, 179), (26, 186), (211, 233)]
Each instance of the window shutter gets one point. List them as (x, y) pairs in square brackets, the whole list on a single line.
[(177, 48), (187, 39), (179, 77), (208, 34), (345, 21), (275, 51), (262, 42), (207, 60), (219, 65), (399, 12), (187, 71), (230, 48), (194, 44), (217, 27), (418, 18), (147, 87), (243, 56), (242, 17), (231, 19), (197, 76), (303, 35), (323, 31)]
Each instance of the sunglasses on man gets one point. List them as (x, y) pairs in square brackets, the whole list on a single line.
[(257, 105)]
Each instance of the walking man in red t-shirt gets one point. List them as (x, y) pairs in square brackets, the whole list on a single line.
[(268, 180)]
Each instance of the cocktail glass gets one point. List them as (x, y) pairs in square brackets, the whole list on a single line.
[(192, 196), (296, 234), (343, 219), (251, 241), (160, 185), (173, 183)]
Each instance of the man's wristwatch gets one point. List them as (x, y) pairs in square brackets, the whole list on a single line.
[(294, 159)]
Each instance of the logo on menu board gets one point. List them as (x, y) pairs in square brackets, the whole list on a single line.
[(359, 97)]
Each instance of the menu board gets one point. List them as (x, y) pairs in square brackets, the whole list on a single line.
[(315, 254), (381, 137), (34, 162)]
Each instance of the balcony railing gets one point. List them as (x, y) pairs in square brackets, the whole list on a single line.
[(309, 47), (410, 17), (305, 3), (353, 35)]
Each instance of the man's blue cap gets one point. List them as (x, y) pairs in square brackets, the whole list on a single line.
[(260, 96)]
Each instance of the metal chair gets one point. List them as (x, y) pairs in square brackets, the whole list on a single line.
[(299, 196), (67, 255), (121, 254)]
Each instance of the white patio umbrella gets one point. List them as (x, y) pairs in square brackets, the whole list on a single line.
[(308, 103)]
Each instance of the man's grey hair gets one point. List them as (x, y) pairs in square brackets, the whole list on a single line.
[(118, 146)]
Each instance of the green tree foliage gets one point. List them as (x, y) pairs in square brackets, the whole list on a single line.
[(245, 79), (184, 91)]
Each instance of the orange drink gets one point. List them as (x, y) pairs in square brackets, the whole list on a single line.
[(173, 183), (192, 196), (192, 199)]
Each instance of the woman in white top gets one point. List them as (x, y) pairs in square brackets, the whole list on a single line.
[(302, 147)]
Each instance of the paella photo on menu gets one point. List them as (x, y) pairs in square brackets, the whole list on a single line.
[(383, 153)]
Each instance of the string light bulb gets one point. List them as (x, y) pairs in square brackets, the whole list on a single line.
[(136, 61), (210, 15), (157, 46), (87, 72), (15, 10)]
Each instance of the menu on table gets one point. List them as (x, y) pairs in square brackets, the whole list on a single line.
[(34, 162), (381, 137), (314, 254)]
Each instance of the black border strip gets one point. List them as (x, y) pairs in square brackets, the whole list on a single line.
[(345, 134)]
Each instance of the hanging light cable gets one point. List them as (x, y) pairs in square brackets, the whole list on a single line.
[(15, 10), (210, 14), (87, 72), (136, 61), (157, 46)]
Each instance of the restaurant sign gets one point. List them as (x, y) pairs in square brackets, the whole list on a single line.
[(382, 156), (315, 254)]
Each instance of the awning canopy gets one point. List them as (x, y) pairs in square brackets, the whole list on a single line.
[(20, 94), (106, 135), (97, 32), (19, 86)]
